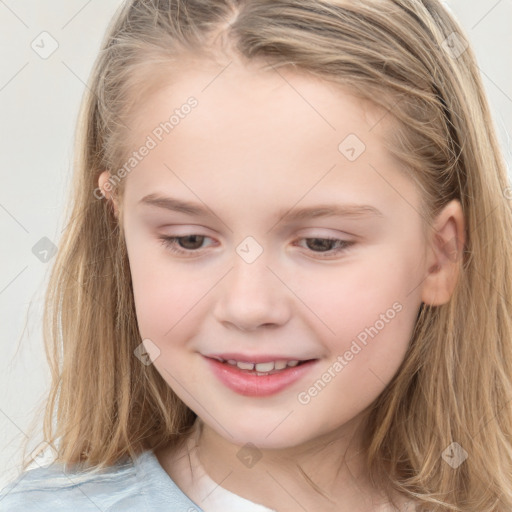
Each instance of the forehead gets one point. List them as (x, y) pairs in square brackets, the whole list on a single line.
[(234, 90), (259, 132)]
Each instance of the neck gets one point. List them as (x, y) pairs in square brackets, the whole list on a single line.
[(327, 473)]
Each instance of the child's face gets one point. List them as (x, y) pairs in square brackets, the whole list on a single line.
[(257, 145)]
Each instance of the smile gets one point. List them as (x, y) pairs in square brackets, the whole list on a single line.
[(259, 379), (261, 368)]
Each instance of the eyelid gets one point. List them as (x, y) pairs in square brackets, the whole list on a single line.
[(170, 242)]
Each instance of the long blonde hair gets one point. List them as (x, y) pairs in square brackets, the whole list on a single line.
[(454, 386)]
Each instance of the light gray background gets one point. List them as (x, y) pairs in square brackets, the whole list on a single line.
[(39, 101)]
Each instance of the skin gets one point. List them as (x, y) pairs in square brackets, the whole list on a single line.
[(258, 143)]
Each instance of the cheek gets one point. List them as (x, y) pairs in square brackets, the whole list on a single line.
[(350, 297), (164, 294), (373, 328), (367, 314)]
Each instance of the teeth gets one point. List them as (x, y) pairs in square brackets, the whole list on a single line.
[(245, 366), (263, 367)]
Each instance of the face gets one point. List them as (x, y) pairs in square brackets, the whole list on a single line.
[(239, 275)]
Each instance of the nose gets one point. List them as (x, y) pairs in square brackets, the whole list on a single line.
[(252, 296)]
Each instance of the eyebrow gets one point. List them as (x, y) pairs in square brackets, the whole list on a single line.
[(308, 212)]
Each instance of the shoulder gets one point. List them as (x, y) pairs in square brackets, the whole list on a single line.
[(53, 488), (132, 485)]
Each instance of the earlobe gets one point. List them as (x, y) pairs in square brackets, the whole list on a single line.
[(445, 255), (106, 188)]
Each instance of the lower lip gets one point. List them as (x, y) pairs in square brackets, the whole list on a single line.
[(248, 384)]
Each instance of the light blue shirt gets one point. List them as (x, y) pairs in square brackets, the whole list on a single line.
[(140, 485)]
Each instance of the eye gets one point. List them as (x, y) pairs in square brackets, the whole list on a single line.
[(189, 244), (331, 246)]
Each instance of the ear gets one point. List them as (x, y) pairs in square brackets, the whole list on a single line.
[(447, 241), (106, 189)]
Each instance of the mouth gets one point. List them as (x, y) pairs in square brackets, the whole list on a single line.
[(265, 368), (261, 378)]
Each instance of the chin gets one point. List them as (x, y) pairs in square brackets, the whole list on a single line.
[(265, 435)]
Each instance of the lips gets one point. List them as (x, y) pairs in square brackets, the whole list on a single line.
[(246, 378)]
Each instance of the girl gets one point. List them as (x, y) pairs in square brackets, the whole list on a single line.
[(340, 338)]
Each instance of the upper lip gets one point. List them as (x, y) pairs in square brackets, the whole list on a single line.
[(256, 358)]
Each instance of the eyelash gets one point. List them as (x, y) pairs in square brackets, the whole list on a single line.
[(170, 242)]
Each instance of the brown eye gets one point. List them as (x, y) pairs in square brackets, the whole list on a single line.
[(190, 242), (322, 244), (184, 244), (325, 247)]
